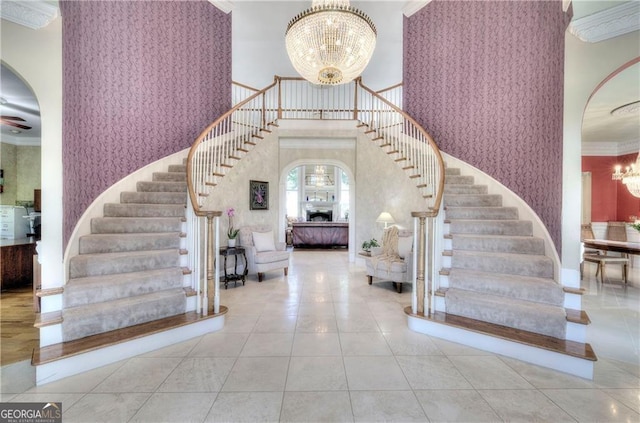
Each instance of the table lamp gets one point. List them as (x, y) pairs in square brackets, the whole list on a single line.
[(386, 218)]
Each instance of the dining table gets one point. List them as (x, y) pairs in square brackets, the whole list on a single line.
[(615, 246)]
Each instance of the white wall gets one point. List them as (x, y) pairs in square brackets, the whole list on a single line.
[(586, 65), (36, 55), (258, 48)]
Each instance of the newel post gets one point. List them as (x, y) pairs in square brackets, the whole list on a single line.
[(423, 283), (213, 285)]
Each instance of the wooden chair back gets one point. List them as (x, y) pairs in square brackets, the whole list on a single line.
[(617, 231), (586, 232)]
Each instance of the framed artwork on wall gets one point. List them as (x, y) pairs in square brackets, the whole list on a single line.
[(258, 195)]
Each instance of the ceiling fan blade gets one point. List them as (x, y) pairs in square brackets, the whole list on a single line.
[(19, 119), (17, 125)]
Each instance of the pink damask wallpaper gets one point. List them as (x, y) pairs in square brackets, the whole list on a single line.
[(485, 78), (141, 80)]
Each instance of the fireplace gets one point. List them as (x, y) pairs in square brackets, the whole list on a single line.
[(319, 216)]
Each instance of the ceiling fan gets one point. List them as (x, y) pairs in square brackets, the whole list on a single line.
[(11, 121)]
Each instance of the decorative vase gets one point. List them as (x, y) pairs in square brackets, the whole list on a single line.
[(232, 242)]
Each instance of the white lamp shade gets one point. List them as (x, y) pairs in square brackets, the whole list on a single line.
[(386, 218)]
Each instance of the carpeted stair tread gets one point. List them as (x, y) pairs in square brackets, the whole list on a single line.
[(102, 317), (513, 264), (491, 227), (525, 315), (178, 168), (154, 197), (478, 213), (170, 176), (119, 242), (498, 243), (475, 200), (143, 210), (113, 225), (161, 186), (465, 189), (540, 290), (458, 179), (96, 289), (452, 171), (132, 261)]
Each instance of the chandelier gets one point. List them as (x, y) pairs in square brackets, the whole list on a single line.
[(331, 42), (630, 177)]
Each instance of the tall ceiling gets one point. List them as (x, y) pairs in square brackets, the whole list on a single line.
[(599, 124)]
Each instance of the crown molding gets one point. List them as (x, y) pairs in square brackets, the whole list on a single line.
[(607, 23), (225, 5), (21, 141), (413, 6), (34, 14), (610, 149)]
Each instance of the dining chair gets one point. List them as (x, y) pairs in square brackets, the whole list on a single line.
[(616, 231)]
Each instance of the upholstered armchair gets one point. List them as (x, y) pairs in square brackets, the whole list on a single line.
[(394, 260), (263, 253)]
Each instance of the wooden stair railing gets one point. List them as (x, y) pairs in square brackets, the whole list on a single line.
[(223, 143)]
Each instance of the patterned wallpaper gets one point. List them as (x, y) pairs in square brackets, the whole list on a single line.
[(141, 79), (485, 78)]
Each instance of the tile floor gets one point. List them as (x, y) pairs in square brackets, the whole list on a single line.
[(324, 346)]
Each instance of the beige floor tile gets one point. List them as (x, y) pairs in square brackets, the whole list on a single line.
[(105, 408), (407, 342), (372, 343), (523, 405), (432, 372), (310, 323), (276, 323), (386, 406), (268, 345), (246, 407), (379, 373), (198, 374), (175, 407), (318, 407), (591, 405), (463, 406), (316, 374), (139, 375), (220, 344), (264, 374), (488, 372), (316, 344)]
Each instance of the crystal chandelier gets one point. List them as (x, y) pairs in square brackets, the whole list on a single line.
[(331, 42), (630, 177)]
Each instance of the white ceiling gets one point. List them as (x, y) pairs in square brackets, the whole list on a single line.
[(599, 124)]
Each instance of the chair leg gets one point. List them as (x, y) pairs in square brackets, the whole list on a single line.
[(399, 288), (581, 270), (602, 273), (624, 273), (260, 275), (370, 279), (286, 271)]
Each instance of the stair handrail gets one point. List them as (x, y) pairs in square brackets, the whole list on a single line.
[(220, 140), (406, 138)]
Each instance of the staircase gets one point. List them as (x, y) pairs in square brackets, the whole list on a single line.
[(498, 271), (128, 270), (497, 288)]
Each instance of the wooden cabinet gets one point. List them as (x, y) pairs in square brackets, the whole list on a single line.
[(16, 264)]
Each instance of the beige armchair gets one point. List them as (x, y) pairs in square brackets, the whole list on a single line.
[(263, 253), (394, 260)]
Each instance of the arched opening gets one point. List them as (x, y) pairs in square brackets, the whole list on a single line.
[(319, 190), (20, 208)]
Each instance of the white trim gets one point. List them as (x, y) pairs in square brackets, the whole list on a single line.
[(608, 23), (90, 360), (541, 357), (225, 5), (34, 14), (319, 143), (610, 149), (413, 6), (21, 142)]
